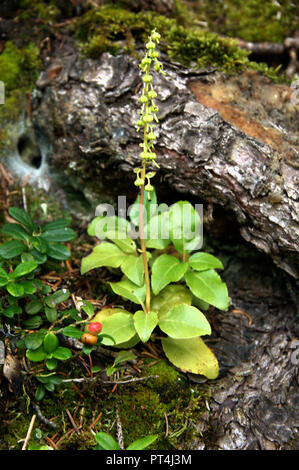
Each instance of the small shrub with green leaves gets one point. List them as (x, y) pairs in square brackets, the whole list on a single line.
[(27, 305), (163, 273)]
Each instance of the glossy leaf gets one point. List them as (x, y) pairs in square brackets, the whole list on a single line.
[(105, 254), (142, 443), (34, 306), (191, 355), (23, 217), (50, 342), (106, 442), (28, 286), (59, 234), (184, 321), (51, 314), (12, 310), (72, 332), (36, 355), (202, 261), (145, 324), (208, 286), (62, 353), (23, 269), (51, 364), (34, 340), (129, 290), (33, 322), (16, 290), (15, 231), (4, 278), (166, 269), (11, 249), (185, 226), (58, 251), (39, 395)]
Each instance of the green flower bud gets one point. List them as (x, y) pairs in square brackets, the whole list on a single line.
[(147, 118), (152, 95), (151, 136), (139, 182), (143, 99), (140, 123), (156, 36), (153, 54), (147, 78), (149, 187), (150, 45)]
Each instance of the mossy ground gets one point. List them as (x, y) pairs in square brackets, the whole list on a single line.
[(167, 407)]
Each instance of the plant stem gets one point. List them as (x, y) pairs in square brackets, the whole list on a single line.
[(143, 247)]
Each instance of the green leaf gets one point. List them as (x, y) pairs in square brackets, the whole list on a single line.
[(145, 324), (106, 442), (23, 217), (23, 269), (55, 224), (208, 286), (51, 314), (39, 244), (184, 321), (124, 356), (16, 290), (11, 249), (142, 443), (33, 322), (191, 355), (58, 251), (92, 227), (51, 364), (166, 269), (105, 254), (4, 278), (34, 340), (36, 355), (132, 266), (87, 307), (29, 287), (185, 226), (12, 310), (60, 296), (40, 393), (120, 326), (127, 289), (169, 297), (62, 353), (15, 231), (33, 307), (39, 257), (202, 261), (50, 342), (72, 332), (59, 234)]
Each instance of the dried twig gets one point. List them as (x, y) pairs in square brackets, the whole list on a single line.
[(42, 418), (29, 432), (119, 431), (72, 421)]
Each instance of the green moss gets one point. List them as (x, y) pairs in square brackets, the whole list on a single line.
[(112, 29), (19, 69), (251, 20)]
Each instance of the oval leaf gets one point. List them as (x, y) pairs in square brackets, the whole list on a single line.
[(23, 269), (208, 286), (166, 269), (105, 254), (142, 443), (120, 327), (106, 442), (62, 353), (145, 324), (184, 321), (36, 355), (191, 355), (23, 217), (169, 297), (129, 290), (50, 342), (11, 249), (202, 261)]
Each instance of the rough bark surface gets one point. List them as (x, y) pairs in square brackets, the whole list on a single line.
[(210, 144)]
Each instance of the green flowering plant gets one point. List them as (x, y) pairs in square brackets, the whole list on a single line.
[(163, 272)]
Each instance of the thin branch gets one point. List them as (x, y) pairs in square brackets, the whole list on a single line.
[(29, 432)]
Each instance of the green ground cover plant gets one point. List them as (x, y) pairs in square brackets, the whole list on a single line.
[(162, 272)]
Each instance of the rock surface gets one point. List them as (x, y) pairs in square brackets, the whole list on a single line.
[(230, 142)]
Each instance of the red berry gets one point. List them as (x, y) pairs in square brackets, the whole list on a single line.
[(95, 328)]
